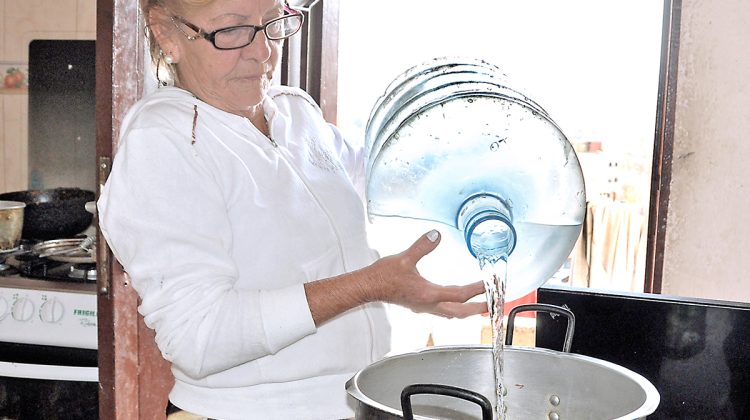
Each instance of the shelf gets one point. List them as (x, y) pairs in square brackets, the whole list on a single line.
[(14, 91)]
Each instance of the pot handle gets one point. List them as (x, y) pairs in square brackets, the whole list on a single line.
[(543, 307), (448, 390)]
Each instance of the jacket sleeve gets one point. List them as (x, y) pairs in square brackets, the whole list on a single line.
[(164, 216), (352, 158)]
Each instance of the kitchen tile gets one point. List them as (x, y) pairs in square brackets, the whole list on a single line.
[(2, 32), (2, 146), (14, 144), (86, 21), (53, 17)]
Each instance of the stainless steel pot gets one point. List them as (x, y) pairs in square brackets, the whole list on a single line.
[(11, 224), (542, 384)]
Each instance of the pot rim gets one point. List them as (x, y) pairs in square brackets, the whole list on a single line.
[(648, 407), (10, 205)]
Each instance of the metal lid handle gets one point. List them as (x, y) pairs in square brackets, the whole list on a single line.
[(543, 307), (447, 390)]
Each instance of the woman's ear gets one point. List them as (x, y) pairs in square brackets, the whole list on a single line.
[(165, 32)]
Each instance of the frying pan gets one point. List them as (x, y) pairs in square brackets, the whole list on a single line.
[(53, 213)]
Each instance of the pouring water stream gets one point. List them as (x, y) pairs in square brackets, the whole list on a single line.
[(491, 237), (494, 274)]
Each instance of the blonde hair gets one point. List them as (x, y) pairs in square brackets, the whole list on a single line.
[(171, 6)]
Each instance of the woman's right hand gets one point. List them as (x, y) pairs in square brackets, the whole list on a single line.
[(395, 279)]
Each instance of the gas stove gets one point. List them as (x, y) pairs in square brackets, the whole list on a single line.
[(47, 300)]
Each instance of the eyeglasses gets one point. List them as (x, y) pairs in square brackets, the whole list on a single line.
[(234, 37)]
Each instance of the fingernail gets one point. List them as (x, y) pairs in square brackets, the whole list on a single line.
[(433, 235)]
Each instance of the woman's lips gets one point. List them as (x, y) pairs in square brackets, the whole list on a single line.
[(251, 77)]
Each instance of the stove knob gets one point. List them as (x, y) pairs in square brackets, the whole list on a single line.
[(51, 311), (23, 309), (4, 308)]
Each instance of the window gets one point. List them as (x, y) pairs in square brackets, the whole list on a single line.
[(594, 66)]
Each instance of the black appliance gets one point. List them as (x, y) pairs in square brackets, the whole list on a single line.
[(696, 352), (62, 108)]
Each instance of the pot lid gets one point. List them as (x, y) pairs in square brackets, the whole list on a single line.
[(9, 205), (73, 250)]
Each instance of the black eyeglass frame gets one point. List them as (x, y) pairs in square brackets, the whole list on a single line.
[(211, 36)]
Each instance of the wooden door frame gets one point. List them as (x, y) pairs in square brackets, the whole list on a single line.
[(661, 166), (133, 378)]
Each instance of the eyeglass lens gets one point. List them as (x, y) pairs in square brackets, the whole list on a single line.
[(243, 35)]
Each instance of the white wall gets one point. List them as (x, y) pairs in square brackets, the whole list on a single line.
[(708, 232)]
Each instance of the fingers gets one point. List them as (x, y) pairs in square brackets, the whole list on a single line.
[(454, 301), (459, 310), (423, 246), (473, 289), (459, 293)]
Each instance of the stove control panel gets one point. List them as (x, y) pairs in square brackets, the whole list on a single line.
[(4, 308), (48, 317), (23, 309), (52, 311)]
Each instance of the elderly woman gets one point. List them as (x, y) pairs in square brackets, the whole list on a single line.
[(235, 209)]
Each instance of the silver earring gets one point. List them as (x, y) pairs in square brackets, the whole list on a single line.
[(169, 59)]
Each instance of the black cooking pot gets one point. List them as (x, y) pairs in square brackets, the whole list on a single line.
[(53, 213)]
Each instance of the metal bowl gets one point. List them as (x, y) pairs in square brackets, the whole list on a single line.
[(11, 224), (541, 384)]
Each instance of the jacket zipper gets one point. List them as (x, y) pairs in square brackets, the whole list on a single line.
[(345, 265), (270, 134), (322, 207)]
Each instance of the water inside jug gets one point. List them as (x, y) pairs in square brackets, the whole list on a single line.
[(453, 141)]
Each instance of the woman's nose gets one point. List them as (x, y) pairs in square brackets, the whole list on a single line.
[(259, 49)]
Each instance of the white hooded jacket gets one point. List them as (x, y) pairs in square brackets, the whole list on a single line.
[(219, 234)]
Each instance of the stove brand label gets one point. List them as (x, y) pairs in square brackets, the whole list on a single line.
[(83, 312)]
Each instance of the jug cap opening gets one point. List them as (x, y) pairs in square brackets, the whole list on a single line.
[(486, 222), (490, 236)]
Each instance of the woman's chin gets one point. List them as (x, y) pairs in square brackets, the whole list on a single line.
[(251, 95), (244, 101)]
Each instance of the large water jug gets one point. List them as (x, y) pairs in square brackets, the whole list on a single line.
[(452, 141)]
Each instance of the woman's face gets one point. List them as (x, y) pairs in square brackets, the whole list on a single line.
[(233, 80)]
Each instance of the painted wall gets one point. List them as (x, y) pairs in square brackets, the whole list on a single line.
[(22, 21), (708, 232)]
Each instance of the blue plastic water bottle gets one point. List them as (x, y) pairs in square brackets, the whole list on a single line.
[(452, 141)]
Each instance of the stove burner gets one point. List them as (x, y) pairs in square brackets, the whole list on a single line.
[(27, 257), (24, 245), (83, 271), (32, 266)]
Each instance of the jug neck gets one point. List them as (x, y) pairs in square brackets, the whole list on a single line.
[(487, 225)]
